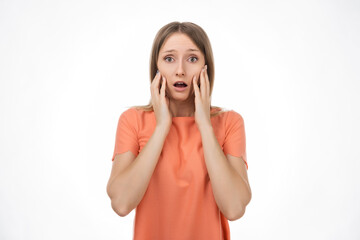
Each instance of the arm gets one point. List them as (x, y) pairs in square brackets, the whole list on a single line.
[(230, 186), (227, 176), (127, 188)]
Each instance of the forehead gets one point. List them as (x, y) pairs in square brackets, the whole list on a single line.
[(178, 42)]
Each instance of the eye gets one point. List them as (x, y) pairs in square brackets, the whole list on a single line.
[(193, 58), (167, 58)]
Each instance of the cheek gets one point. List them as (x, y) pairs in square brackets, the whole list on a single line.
[(164, 72), (197, 74)]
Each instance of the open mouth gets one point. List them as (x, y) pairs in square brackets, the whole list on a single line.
[(180, 85)]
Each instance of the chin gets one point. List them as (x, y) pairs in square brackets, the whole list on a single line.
[(177, 96)]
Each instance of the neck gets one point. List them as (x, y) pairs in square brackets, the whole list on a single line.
[(182, 108)]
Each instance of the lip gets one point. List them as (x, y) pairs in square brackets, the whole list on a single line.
[(181, 89)]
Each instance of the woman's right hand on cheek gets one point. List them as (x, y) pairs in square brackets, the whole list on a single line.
[(160, 102)]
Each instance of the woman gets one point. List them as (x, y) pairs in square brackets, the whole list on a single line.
[(178, 160)]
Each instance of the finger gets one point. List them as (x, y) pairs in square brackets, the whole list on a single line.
[(207, 82), (202, 84), (196, 88), (163, 85), (158, 85), (157, 75), (155, 86)]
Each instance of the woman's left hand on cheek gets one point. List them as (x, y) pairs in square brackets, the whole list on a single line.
[(202, 99)]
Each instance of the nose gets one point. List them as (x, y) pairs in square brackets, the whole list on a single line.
[(180, 70)]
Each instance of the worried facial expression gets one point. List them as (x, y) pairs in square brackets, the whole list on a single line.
[(180, 60)]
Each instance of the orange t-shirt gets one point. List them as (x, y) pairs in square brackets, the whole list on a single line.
[(179, 202)]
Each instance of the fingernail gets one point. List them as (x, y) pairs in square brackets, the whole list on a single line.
[(205, 66)]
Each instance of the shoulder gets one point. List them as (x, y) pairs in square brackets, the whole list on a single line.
[(233, 117), (130, 116), (138, 115), (227, 118), (129, 113), (228, 112)]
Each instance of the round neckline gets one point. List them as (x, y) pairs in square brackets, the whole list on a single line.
[(191, 117), (182, 118)]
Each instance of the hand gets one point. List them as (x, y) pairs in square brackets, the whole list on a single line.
[(160, 102), (202, 99)]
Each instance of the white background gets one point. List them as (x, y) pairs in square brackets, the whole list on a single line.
[(68, 69)]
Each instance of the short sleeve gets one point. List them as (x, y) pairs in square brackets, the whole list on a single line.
[(126, 133), (235, 140)]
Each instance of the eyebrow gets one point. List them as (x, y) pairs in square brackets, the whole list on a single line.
[(173, 50)]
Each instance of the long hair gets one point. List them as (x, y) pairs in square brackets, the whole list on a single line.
[(201, 40)]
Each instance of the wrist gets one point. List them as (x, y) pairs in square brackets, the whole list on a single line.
[(162, 128), (205, 127)]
